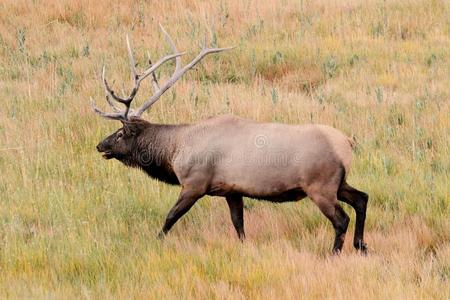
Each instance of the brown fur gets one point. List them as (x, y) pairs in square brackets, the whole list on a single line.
[(234, 157)]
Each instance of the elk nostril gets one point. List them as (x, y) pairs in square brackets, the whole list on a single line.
[(99, 148)]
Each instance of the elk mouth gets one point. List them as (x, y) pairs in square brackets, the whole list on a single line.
[(107, 155)]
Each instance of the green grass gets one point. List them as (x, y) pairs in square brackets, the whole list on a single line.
[(73, 225)]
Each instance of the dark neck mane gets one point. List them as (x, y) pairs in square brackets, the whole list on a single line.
[(154, 150)]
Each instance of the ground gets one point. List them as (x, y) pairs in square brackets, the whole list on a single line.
[(73, 225)]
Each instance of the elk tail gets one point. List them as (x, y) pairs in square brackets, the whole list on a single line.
[(352, 141)]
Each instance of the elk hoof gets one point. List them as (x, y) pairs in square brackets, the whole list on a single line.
[(161, 236), (361, 247), (336, 252)]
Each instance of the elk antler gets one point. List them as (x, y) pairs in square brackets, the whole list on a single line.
[(178, 72)]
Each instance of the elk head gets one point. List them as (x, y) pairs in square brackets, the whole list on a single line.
[(120, 143)]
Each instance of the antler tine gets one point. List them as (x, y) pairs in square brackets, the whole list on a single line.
[(156, 65), (108, 99), (172, 47), (111, 104), (111, 93), (126, 102), (154, 80), (132, 61), (113, 116), (177, 75)]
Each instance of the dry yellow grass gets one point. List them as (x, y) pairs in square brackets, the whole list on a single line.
[(75, 226)]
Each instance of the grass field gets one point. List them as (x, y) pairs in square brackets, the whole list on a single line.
[(73, 225)]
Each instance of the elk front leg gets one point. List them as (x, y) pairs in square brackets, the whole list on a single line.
[(186, 200), (236, 205), (358, 200)]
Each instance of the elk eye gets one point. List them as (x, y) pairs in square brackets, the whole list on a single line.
[(119, 134)]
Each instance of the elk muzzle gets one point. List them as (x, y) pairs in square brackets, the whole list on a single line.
[(106, 153)]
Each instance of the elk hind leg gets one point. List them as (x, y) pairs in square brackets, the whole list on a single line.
[(358, 200), (335, 213)]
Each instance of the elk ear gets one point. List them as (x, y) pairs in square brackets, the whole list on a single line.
[(132, 127)]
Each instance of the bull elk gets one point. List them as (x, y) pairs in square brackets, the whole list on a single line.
[(233, 157)]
